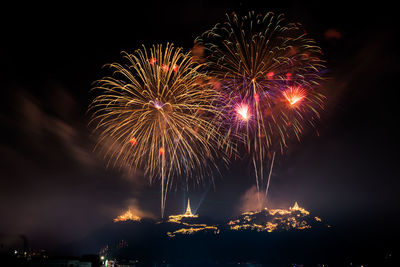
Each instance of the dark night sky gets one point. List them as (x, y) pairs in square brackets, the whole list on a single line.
[(53, 188)]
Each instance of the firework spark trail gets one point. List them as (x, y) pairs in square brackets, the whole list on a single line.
[(158, 112), (269, 75), (269, 177)]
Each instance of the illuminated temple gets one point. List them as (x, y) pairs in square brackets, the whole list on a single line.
[(187, 224), (266, 220), (186, 231), (188, 212), (127, 216), (178, 218), (271, 220)]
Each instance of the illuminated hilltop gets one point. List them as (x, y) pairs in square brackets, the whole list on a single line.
[(271, 220), (127, 216), (188, 227), (183, 235), (187, 214), (266, 220)]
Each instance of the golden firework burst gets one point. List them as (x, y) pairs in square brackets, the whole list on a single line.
[(158, 112)]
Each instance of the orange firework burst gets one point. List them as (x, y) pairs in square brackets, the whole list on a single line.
[(294, 94)]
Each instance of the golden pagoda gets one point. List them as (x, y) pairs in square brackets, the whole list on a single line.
[(188, 212), (178, 218)]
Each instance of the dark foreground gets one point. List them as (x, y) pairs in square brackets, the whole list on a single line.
[(146, 244)]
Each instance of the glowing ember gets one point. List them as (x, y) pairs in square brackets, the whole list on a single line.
[(164, 67), (152, 60), (133, 141), (161, 151), (294, 95), (256, 98), (243, 111), (127, 216)]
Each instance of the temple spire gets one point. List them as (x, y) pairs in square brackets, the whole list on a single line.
[(188, 210)]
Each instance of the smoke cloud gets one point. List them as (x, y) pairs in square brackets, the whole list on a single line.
[(55, 189), (251, 200)]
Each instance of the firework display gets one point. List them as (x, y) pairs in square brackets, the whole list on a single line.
[(158, 113), (268, 74), (250, 85)]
